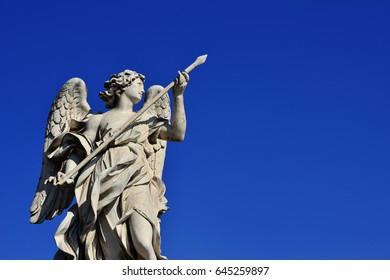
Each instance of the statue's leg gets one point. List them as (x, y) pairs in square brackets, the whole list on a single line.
[(142, 235)]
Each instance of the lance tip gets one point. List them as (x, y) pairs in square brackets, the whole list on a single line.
[(201, 59)]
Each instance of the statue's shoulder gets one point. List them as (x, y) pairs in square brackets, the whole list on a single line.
[(94, 119)]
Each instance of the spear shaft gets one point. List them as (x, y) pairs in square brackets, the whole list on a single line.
[(200, 60)]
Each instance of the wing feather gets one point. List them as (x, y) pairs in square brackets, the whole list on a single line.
[(69, 106), (162, 109)]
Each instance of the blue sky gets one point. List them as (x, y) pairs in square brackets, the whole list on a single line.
[(288, 140)]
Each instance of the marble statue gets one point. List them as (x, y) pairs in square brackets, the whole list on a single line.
[(112, 164)]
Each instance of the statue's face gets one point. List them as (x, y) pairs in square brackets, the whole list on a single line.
[(135, 91)]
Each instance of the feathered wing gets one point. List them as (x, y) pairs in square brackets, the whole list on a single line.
[(161, 108), (69, 108)]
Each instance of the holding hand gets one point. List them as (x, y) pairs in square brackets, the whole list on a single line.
[(54, 180), (180, 83)]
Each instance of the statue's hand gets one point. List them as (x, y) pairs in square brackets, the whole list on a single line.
[(55, 180), (180, 83)]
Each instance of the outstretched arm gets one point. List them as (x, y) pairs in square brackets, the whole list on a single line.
[(176, 131)]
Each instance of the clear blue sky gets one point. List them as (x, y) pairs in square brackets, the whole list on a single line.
[(287, 154)]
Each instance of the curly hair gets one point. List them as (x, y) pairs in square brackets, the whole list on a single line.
[(116, 84)]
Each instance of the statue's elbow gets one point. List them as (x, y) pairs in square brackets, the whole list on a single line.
[(177, 137)]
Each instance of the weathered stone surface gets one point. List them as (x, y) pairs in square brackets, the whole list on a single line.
[(119, 191)]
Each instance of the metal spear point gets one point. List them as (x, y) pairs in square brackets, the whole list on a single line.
[(200, 60)]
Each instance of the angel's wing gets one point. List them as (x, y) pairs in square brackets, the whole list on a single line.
[(69, 108), (161, 108)]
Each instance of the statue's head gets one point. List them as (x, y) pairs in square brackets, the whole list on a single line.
[(116, 84)]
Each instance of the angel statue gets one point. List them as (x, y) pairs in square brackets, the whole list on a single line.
[(119, 193)]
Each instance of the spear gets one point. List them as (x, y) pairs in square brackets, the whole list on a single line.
[(200, 60)]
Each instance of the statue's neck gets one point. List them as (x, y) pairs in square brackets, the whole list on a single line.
[(124, 104)]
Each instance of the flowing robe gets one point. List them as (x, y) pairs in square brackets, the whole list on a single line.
[(108, 191)]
